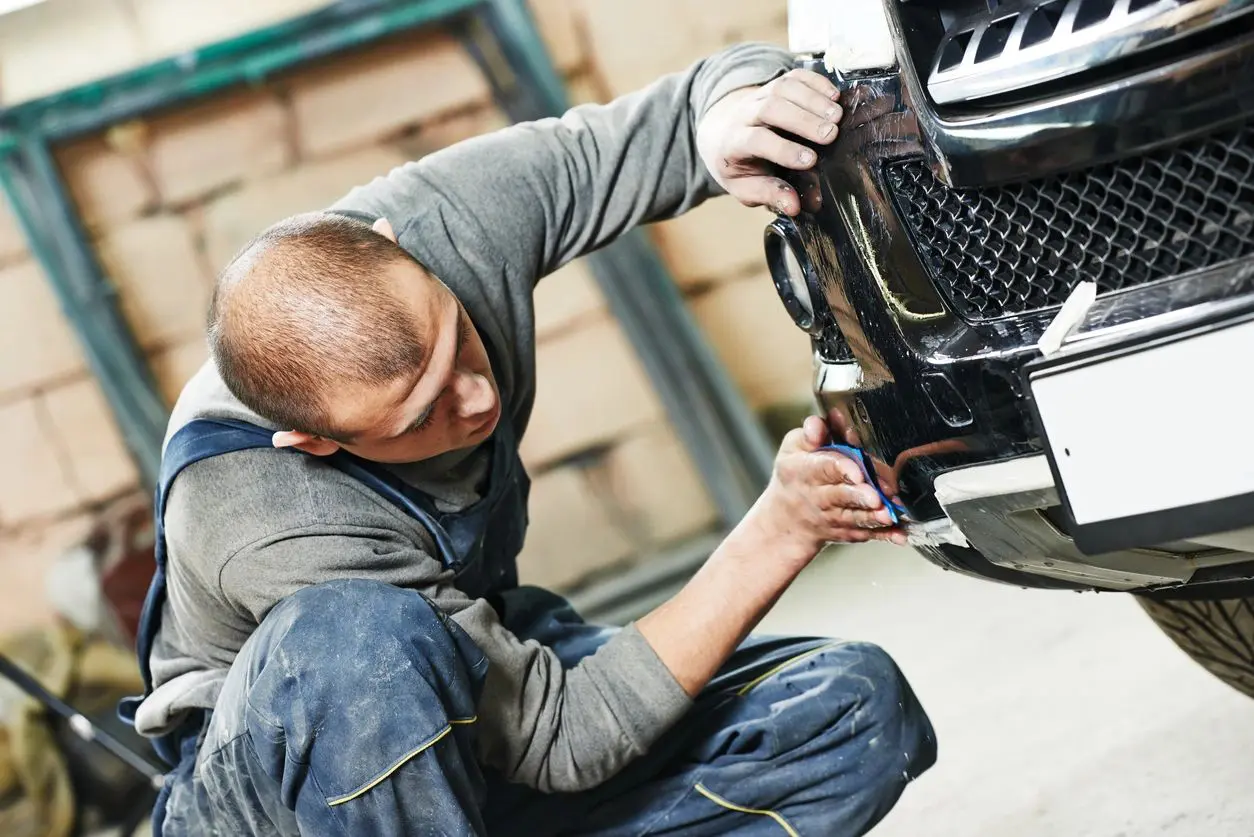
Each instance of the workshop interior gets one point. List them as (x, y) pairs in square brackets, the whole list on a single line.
[(1019, 292)]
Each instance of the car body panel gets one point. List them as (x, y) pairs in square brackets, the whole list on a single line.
[(928, 392)]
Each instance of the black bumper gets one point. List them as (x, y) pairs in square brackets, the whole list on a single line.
[(939, 365)]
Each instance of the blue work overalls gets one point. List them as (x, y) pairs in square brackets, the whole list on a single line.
[(351, 709)]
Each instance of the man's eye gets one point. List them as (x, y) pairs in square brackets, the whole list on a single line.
[(424, 422)]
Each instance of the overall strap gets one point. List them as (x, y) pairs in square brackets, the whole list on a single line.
[(391, 488), (195, 441), (205, 438)]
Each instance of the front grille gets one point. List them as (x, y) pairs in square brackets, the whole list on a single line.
[(1013, 249)]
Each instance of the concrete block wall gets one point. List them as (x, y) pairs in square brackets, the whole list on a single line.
[(170, 199)]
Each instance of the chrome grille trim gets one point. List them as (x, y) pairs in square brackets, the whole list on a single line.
[(1023, 43)]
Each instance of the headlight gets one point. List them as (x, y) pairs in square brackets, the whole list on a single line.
[(793, 274)]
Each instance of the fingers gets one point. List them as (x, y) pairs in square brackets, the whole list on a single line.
[(858, 535), (764, 190), (802, 112), (802, 449), (833, 468), (829, 467), (817, 82), (762, 143), (801, 104), (809, 437), (854, 535), (860, 501), (894, 536), (849, 536)]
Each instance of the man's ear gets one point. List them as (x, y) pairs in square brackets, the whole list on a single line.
[(384, 228), (307, 442)]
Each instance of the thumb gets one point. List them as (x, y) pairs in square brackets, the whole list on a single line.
[(808, 438), (813, 434)]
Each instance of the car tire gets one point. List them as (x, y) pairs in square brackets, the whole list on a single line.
[(1217, 633)]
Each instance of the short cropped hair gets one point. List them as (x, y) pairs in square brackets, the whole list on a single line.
[(306, 305)]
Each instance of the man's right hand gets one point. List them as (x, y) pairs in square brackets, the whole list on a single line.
[(817, 497)]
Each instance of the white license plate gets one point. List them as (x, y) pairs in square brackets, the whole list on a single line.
[(1152, 429)]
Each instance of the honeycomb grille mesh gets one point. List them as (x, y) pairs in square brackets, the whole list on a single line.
[(1010, 250)]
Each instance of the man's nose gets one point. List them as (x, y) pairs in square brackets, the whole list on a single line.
[(474, 394)]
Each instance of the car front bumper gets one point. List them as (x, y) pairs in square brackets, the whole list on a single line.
[(939, 398)]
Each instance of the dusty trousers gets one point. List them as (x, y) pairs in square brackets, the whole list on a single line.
[(328, 726)]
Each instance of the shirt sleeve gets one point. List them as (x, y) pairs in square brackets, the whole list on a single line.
[(541, 193)]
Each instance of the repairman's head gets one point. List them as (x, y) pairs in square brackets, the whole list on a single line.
[(326, 327)]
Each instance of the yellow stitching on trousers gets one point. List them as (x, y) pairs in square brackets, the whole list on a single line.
[(349, 797), (748, 687), (731, 806)]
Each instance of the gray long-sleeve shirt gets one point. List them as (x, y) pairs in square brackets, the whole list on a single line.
[(489, 217)]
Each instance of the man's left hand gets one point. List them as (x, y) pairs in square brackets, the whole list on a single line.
[(740, 143)]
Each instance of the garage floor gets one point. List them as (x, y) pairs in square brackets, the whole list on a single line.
[(1058, 714)]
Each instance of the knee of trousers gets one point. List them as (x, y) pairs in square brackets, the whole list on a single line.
[(349, 677), (880, 707)]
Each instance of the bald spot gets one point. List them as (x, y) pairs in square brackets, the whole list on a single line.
[(309, 305)]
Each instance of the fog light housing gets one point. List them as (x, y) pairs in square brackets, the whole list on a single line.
[(795, 280)]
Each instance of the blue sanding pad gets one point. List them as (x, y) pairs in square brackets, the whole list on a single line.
[(895, 510)]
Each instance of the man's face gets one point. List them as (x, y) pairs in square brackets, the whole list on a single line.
[(450, 400)]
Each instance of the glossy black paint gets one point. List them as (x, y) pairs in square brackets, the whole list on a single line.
[(933, 391), (895, 322)]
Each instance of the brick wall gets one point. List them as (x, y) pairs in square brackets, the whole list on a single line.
[(169, 200)]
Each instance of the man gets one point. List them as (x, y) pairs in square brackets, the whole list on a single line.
[(336, 641)]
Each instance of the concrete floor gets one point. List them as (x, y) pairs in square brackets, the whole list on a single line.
[(1057, 714)]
